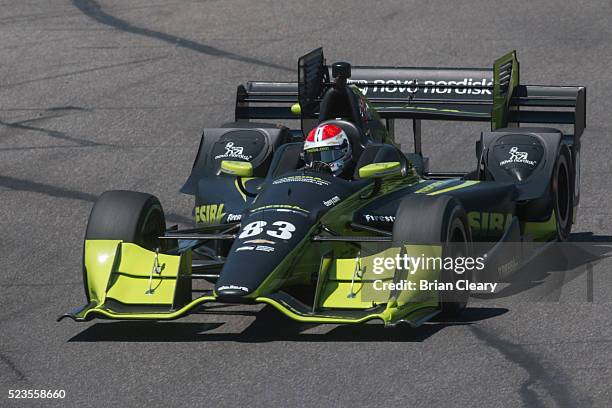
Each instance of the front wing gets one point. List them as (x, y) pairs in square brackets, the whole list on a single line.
[(127, 282)]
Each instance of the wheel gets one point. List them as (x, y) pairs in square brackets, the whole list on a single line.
[(563, 196), (422, 219), (129, 216)]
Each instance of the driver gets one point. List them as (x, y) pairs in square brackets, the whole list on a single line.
[(327, 147)]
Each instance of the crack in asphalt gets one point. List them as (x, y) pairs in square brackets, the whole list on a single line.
[(94, 11), (36, 285), (13, 367), (556, 384), (31, 148), (51, 109), (13, 183), (83, 71), (16, 184), (26, 18), (116, 146), (51, 133), (120, 107), (67, 108)]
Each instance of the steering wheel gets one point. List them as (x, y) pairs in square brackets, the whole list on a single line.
[(321, 166)]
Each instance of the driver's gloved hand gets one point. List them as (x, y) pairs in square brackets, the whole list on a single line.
[(321, 166)]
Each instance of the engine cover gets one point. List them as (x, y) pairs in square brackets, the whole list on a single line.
[(516, 155), (238, 142), (523, 156)]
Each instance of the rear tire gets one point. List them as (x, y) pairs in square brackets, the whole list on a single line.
[(563, 196), (128, 216), (422, 219)]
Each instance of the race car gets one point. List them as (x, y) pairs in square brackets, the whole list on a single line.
[(296, 217)]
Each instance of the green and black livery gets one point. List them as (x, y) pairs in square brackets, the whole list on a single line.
[(271, 230)]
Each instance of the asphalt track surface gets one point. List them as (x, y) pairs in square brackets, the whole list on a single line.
[(112, 95)]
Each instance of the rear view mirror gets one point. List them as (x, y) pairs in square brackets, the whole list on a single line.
[(377, 170), (237, 168), (296, 109)]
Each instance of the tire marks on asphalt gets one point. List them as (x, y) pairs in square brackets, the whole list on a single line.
[(549, 378), (93, 10), (13, 183), (51, 133), (83, 71)]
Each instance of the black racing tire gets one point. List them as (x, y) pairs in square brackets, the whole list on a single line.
[(422, 219), (563, 195), (129, 216)]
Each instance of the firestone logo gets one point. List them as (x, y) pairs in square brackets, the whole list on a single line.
[(379, 218)]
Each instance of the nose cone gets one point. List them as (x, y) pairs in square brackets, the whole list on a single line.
[(273, 232), (247, 267)]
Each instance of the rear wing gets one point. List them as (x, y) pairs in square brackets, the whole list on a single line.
[(492, 95)]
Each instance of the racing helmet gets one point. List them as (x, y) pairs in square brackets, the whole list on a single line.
[(327, 147)]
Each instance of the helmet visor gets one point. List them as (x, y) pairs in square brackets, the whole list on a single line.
[(326, 154)]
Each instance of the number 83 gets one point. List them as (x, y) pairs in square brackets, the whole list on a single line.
[(282, 230)]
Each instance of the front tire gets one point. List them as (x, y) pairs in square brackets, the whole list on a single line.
[(437, 220), (128, 216)]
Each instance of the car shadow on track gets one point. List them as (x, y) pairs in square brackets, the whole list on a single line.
[(555, 266), (589, 237), (269, 325)]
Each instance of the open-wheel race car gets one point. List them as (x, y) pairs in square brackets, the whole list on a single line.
[(294, 217)]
